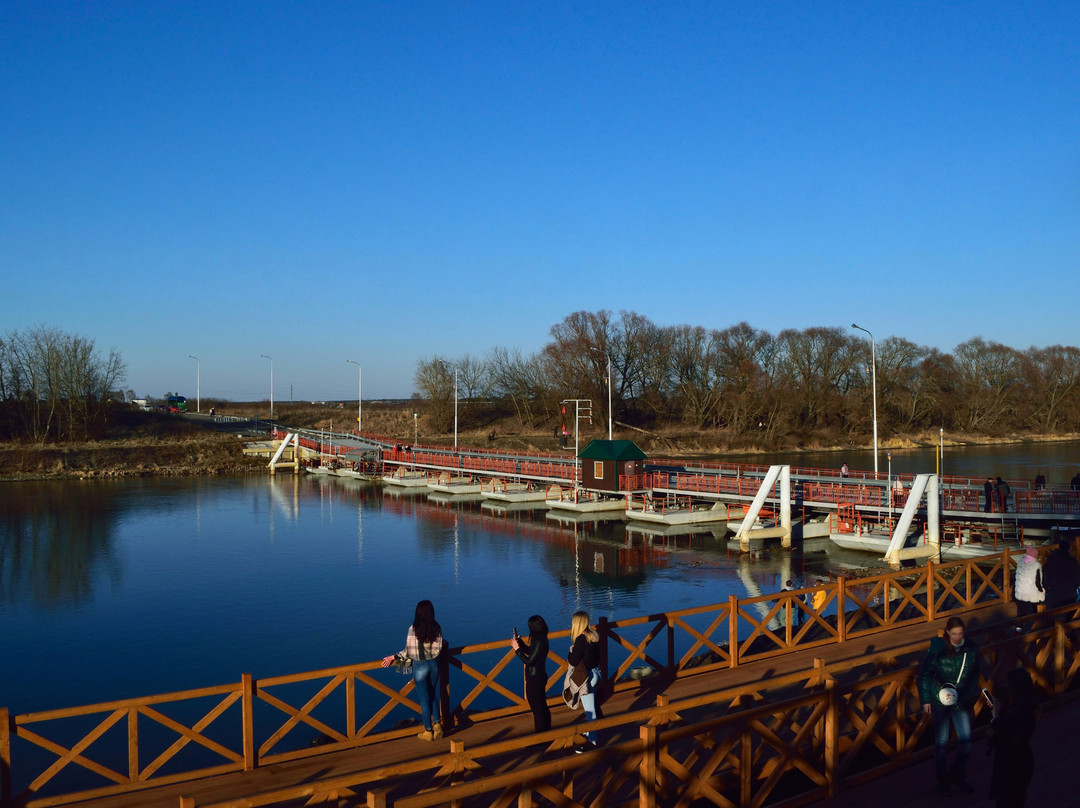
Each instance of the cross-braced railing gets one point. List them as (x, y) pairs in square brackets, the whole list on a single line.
[(131, 744)]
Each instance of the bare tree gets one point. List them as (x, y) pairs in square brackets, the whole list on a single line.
[(987, 374)]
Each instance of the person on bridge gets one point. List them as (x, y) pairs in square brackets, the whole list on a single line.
[(1003, 489), (534, 654), (1013, 709), (1061, 576), (585, 650), (988, 491), (948, 686), (1028, 591), (423, 644)]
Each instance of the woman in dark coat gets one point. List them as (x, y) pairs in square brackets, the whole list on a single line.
[(1014, 713), (534, 654)]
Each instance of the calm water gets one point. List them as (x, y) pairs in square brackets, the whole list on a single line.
[(127, 588)]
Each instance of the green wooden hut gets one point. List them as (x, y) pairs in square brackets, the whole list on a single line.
[(604, 461)]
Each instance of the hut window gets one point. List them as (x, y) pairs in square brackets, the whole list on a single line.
[(598, 469)]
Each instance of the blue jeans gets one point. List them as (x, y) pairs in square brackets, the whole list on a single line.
[(960, 719), (425, 674), (588, 703)]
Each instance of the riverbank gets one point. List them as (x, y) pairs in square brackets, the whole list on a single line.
[(153, 445), (201, 452)]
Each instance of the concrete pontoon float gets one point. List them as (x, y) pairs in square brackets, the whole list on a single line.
[(579, 500), (511, 491), (450, 483), (407, 478), (674, 510)]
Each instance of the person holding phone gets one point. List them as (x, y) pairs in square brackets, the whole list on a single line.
[(533, 653), (948, 687), (1014, 713)]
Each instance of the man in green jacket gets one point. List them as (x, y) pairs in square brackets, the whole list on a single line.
[(948, 688)]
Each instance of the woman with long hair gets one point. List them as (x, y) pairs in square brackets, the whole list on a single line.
[(423, 644), (585, 650), (534, 654)]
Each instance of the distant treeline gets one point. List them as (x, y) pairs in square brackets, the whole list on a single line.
[(746, 381), (55, 386)]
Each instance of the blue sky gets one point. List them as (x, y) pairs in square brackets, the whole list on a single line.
[(389, 181)]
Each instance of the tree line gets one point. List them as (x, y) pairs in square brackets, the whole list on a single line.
[(55, 386), (749, 382)]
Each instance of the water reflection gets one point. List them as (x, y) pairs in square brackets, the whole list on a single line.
[(56, 540), (148, 586)]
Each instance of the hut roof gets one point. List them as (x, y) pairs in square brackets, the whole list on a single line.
[(612, 450)]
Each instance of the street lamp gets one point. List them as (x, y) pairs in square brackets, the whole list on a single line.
[(359, 395), (873, 377), (264, 356), (198, 373), (607, 356)]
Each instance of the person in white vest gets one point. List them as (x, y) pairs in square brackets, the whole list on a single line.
[(1028, 589)]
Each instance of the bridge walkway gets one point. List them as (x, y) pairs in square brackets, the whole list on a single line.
[(909, 642)]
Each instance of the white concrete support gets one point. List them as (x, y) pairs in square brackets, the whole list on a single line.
[(295, 464), (782, 473), (785, 506), (928, 484)]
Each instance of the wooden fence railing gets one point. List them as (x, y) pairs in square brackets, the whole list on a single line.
[(50, 757), (799, 737)]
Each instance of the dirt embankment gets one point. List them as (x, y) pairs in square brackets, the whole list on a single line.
[(203, 453)]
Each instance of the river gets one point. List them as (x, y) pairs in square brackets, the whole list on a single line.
[(115, 589)]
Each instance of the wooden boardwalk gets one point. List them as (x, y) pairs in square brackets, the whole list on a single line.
[(903, 787), (1054, 783)]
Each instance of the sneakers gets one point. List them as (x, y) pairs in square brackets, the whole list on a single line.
[(436, 730), (426, 735)]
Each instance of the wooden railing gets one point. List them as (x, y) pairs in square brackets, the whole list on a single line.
[(50, 757), (797, 738)]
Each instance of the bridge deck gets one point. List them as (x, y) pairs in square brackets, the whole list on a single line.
[(902, 788)]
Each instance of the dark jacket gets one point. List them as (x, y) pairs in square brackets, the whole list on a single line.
[(534, 655), (584, 651), (942, 666), (1061, 576)]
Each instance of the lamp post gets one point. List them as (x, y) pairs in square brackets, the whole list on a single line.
[(359, 395), (873, 377), (198, 373), (264, 356), (607, 356)]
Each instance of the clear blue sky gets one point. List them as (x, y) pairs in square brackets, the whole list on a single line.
[(388, 181)]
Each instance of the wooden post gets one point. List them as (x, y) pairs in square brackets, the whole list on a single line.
[(931, 609), (247, 699), (350, 706), (832, 738), (1059, 662), (733, 631), (133, 744), (647, 770), (841, 609), (1006, 587), (670, 648), (376, 798), (187, 802), (5, 756)]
